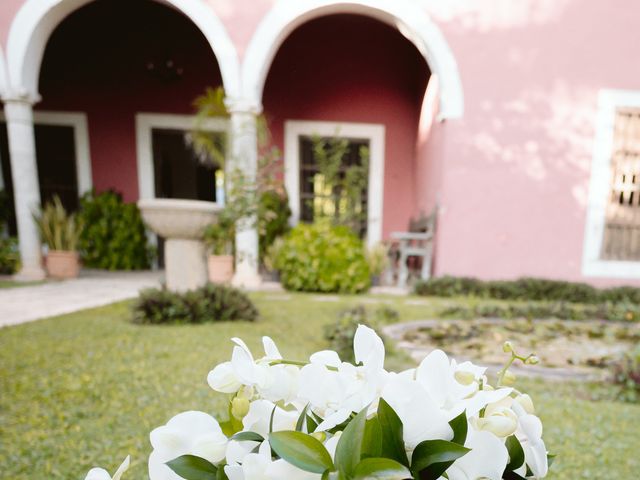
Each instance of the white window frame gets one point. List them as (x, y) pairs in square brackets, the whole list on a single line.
[(77, 121), (374, 133), (145, 123), (600, 187)]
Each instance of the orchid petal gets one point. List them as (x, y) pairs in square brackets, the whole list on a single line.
[(368, 348), (98, 474), (270, 349)]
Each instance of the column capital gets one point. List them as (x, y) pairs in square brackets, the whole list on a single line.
[(21, 95), (242, 105)]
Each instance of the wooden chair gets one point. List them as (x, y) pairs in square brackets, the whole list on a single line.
[(414, 245)]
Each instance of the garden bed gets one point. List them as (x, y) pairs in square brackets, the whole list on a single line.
[(583, 350)]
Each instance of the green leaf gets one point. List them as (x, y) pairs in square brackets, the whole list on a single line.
[(349, 448), (248, 437), (392, 436), (191, 467), (372, 440), (300, 422), (431, 458), (516, 453), (459, 426), (551, 457), (312, 424), (380, 469), (301, 450), (273, 414), (512, 476)]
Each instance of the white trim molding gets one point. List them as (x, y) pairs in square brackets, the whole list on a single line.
[(145, 123), (77, 121), (599, 189), (37, 19), (4, 81), (405, 15), (374, 133)]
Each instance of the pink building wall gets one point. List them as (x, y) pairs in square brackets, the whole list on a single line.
[(512, 175)]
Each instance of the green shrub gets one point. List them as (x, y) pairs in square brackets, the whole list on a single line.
[(9, 255), (114, 237), (340, 334), (542, 310), (626, 374), (534, 289), (273, 219), (211, 303), (219, 237), (322, 258)]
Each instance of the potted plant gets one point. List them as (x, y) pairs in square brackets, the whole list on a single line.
[(60, 231), (218, 238)]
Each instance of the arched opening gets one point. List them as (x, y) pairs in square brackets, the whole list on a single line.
[(117, 92), (355, 77)]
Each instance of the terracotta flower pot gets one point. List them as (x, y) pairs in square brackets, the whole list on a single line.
[(63, 264), (220, 268)]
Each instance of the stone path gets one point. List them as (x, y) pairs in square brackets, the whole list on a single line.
[(92, 289)]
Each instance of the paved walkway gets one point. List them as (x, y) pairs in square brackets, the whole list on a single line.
[(92, 289)]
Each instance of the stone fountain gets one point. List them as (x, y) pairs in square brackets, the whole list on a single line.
[(181, 223)]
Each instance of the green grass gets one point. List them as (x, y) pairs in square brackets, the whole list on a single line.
[(14, 284), (85, 389)]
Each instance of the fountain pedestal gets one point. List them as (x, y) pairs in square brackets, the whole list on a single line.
[(182, 224)]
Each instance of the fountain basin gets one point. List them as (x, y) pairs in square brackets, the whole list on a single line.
[(181, 223)]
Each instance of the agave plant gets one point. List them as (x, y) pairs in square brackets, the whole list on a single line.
[(59, 229)]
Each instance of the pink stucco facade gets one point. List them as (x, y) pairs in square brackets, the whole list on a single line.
[(510, 175)]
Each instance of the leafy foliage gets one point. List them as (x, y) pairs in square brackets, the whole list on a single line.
[(626, 374), (9, 255), (273, 218), (219, 236), (323, 258), (541, 310), (344, 185), (526, 289), (58, 229), (114, 237), (211, 303)]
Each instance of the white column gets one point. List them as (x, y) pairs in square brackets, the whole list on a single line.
[(26, 189), (244, 156)]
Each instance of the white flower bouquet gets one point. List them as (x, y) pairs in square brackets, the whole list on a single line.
[(326, 419)]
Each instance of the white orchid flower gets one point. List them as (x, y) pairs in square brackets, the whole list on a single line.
[(368, 348), (259, 417), (529, 434), (487, 459), (102, 474), (188, 433), (421, 417)]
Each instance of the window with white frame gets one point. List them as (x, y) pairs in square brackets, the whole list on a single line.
[(307, 195), (612, 239)]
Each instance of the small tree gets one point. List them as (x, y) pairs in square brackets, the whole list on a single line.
[(260, 198)]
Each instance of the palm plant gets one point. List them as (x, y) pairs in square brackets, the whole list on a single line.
[(59, 230)]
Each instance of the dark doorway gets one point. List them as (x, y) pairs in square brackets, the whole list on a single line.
[(56, 160), (179, 173)]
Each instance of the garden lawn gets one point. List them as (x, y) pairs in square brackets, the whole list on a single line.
[(85, 389)]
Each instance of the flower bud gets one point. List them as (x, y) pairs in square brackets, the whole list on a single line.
[(320, 436), (239, 407), (509, 378), (532, 360), (465, 378), (507, 347), (526, 403), (502, 423)]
